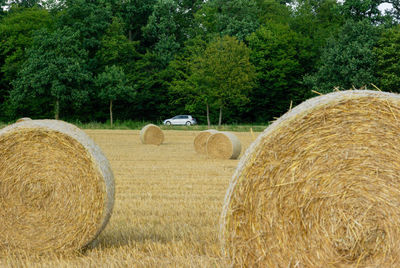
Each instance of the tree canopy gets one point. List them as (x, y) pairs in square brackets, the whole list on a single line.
[(277, 53), (347, 60), (239, 61), (54, 71)]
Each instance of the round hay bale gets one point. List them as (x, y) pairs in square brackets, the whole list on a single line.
[(200, 141), (23, 119), (56, 188), (151, 134), (320, 187), (224, 145)]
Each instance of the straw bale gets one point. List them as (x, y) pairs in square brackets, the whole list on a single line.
[(151, 134), (56, 188), (224, 145), (23, 119), (320, 187), (200, 141)]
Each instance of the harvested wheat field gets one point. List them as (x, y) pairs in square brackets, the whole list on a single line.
[(167, 205)]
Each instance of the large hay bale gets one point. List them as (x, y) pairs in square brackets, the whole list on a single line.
[(23, 119), (200, 141), (320, 187), (56, 187), (151, 134), (224, 145)]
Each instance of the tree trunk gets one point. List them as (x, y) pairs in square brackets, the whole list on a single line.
[(208, 116), (57, 110), (220, 116), (111, 115), (130, 35)]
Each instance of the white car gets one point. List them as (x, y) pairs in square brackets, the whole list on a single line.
[(180, 120)]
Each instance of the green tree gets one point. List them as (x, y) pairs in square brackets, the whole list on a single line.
[(22, 3), (186, 89), (348, 59), (222, 75), (113, 85), (90, 19), (273, 10), (162, 30), (388, 60), (135, 14), (359, 10), (277, 52), (116, 49), (226, 67), (235, 18), (16, 31), (54, 72), (150, 80), (315, 21)]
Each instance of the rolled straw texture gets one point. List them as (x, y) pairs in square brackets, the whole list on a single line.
[(223, 145), (23, 119), (200, 141), (56, 187), (151, 134), (320, 187)]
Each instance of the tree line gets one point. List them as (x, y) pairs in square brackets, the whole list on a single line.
[(237, 61)]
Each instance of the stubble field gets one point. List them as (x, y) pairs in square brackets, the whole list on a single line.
[(167, 207)]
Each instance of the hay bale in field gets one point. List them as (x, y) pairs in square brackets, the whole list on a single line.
[(200, 141), (223, 145), (56, 187), (320, 186), (151, 134), (23, 119)]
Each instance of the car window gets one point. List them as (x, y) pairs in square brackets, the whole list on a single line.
[(175, 117), (185, 116)]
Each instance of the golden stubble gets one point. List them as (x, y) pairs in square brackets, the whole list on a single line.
[(167, 205)]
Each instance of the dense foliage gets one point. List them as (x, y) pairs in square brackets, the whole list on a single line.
[(238, 61)]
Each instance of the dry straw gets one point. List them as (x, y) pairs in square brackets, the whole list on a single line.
[(151, 134), (23, 119), (56, 188), (224, 145), (320, 187), (200, 141)]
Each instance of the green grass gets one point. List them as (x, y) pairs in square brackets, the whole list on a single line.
[(129, 124), (140, 124), (235, 127)]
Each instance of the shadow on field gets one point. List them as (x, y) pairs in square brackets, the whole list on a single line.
[(131, 235)]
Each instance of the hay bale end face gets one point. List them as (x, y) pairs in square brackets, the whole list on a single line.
[(223, 145), (320, 186), (56, 188), (151, 134), (200, 141)]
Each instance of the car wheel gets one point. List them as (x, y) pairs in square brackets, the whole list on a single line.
[(168, 123), (188, 123)]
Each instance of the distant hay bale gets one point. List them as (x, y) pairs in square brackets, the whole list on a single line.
[(320, 187), (200, 141), (56, 188), (23, 119), (151, 134), (224, 145)]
